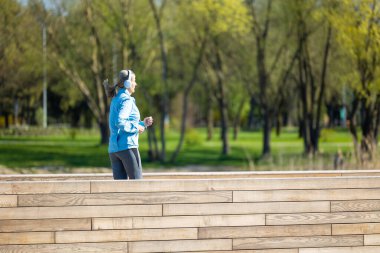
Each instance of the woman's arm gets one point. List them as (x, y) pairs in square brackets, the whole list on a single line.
[(123, 122)]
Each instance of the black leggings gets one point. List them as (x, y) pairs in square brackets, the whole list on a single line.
[(126, 164)]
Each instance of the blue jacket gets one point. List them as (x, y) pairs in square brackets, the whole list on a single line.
[(124, 119)]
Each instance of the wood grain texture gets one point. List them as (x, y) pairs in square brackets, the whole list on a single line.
[(44, 225), (322, 218), (245, 208), (372, 239), (198, 221), (8, 200), (305, 195), (297, 242), (80, 211), (124, 198), (365, 249), (264, 231), (249, 251), (112, 223), (356, 229), (355, 205), (44, 187), (234, 184), (26, 238), (114, 247), (126, 235), (180, 245)]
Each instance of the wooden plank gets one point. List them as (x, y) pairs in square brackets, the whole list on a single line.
[(44, 187), (114, 247), (124, 198), (26, 238), (264, 231), (362, 173), (126, 235), (297, 242), (241, 174), (355, 205), (192, 175), (44, 225), (353, 229), (180, 245), (79, 212), (111, 223), (245, 208), (8, 200), (372, 239), (181, 175), (365, 249), (322, 218), (234, 184), (249, 251), (198, 221), (56, 177), (305, 195)]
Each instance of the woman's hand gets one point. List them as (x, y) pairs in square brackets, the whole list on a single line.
[(148, 121), (141, 129)]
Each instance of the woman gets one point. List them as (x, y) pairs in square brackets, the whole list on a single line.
[(125, 127)]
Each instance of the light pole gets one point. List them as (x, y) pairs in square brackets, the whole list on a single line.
[(44, 102)]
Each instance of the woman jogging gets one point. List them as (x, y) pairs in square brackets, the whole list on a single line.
[(125, 127)]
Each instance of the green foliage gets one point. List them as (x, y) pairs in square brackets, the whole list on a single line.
[(326, 134), (358, 33), (222, 16), (193, 138)]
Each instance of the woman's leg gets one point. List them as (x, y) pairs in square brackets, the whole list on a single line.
[(118, 169), (131, 163), (138, 172)]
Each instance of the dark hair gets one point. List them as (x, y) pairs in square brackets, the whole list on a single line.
[(111, 89)]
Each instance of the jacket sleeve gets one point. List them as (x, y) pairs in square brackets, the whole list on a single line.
[(123, 121)]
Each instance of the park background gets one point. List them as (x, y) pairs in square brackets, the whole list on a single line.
[(232, 85)]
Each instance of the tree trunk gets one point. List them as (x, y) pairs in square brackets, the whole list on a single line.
[(352, 127), (186, 98), (210, 121), (209, 110), (6, 120), (104, 131), (165, 100), (317, 127), (222, 101), (368, 142), (263, 82), (224, 126), (266, 135), (152, 143), (237, 119), (251, 115)]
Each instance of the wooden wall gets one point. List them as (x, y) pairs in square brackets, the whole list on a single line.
[(326, 214)]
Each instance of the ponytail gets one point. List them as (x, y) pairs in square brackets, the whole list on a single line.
[(110, 89)]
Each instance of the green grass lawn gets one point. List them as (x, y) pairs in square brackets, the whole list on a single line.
[(64, 151)]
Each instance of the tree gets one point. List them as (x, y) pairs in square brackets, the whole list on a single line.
[(20, 49), (358, 33), (195, 36), (311, 86), (272, 73)]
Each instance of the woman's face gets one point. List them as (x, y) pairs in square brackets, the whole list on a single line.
[(133, 84)]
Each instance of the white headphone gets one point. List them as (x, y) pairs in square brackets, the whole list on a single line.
[(127, 83)]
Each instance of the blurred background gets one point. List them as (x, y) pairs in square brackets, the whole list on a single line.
[(231, 84)]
